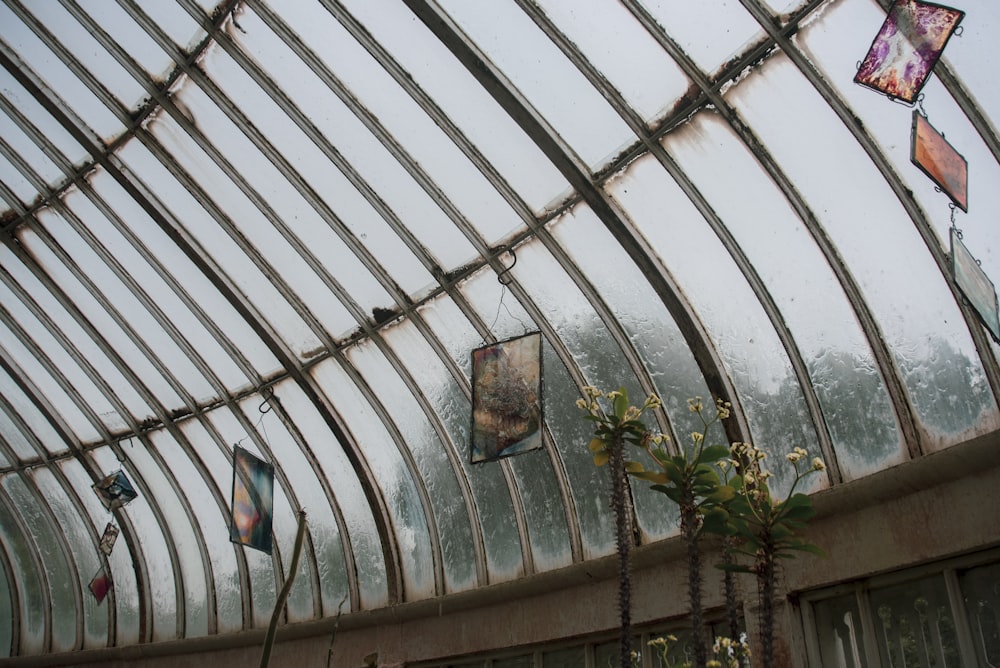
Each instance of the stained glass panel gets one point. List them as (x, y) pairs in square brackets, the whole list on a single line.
[(907, 47)]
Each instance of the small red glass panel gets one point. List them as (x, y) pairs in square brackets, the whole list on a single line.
[(937, 159), (907, 47)]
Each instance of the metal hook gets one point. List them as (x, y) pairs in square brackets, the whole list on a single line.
[(122, 458), (920, 105), (267, 393), (503, 277)]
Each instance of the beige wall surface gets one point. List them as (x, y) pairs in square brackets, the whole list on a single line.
[(938, 506)]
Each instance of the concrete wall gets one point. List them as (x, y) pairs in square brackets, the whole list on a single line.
[(935, 507)]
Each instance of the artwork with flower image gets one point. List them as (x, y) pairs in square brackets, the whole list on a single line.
[(907, 47), (253, 497), (507, 398)]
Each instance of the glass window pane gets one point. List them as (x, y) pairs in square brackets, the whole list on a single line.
[(30, 108), (479, 116), (64, 580), (981, 591), (7, 610), (904, 288), (540, 71), (914, 625), (392, 475), (37, 423), (32, 598), (840, 632), (526, 661), (563, 658)]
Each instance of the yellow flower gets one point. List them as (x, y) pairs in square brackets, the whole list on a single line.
[(694, 405), (591, 391), (614, 394), (697, 436), (632, 413), (818, 464), (652, 402), (581, 404)]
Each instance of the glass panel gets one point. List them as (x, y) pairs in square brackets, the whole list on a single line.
[(435, 467), (390, 472), (61, 573), (11, 434), (492, 131), (233, 261), (624, 52), (133, 39), (80, 538), (489, 487), (127, 254), (173, 20), (710, 32), (185, 274), (210, 506), (85, 49), (540, 71), (109, 323), (981, 591), (25, 148), (543, 507), (840, 632), (422, 139), (914, 625), (332, 462), (32, 598), (730, 311), (57, 76), (831, 44), (180, 531), (266, 247), (844, 374), (36, 422), (7, 610), (20, 186), (162, 585), (917, 314), (564, 658), (526, 661), (67, 366), (123, 567), (36, 114)]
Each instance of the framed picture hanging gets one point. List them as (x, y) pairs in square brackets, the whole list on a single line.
[(108, 538), (937, 159), (115, 490), (907, 47), (507, 398), (100, 585), (975, 285), (253, 500)]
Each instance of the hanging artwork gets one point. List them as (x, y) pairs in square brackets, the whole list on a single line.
[(115, 490), (109, 538), (907, 47), (507, 398), (100, 585), (975, 284), (253, 496), (937, 159)]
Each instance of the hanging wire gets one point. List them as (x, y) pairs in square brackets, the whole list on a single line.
[(958, 232), (504, 278)]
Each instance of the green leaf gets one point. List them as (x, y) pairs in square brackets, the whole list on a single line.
[(621, 403), (652, 476), (596, 445), (601, 458), (634, 467), (671, 492), (734, 568), (713, 453)]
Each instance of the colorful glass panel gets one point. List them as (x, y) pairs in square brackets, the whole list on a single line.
[(975, 284), (507, 398), (907, 47), (115, 490), (937, 159), (253, 497)]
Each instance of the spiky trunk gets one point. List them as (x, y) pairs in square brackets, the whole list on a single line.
[(729, 587), (765, 582), (623, 541), (689, 529)]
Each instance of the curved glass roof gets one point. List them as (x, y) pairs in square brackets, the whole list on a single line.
[(285, 226)]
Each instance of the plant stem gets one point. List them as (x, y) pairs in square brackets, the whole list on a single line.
[(623, 540), (765, 578), (265, 655), (689, 529), (729, 584)]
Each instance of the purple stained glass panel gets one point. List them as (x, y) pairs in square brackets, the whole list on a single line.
[(907, 47)]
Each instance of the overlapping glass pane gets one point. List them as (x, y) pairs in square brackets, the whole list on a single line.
[(33, 599)]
